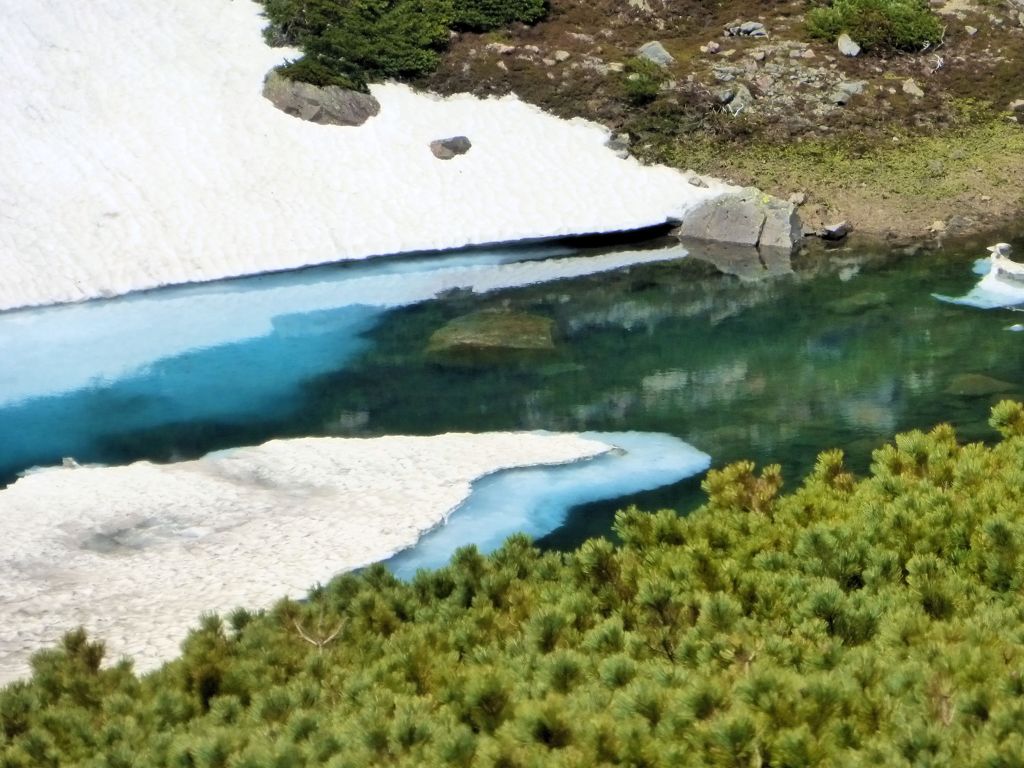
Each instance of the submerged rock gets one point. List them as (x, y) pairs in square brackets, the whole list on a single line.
[(748, 217), (330, 105), (492, 336), (446, 149), (977, 385), (859, 303)]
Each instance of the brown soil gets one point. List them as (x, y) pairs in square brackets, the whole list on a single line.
[(951, 161)]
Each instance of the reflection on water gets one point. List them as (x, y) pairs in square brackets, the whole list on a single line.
[(844, 351), (741, 358)]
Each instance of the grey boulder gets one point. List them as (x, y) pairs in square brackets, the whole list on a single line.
[(746, 29), (747, 217), (619, 144), (846, 90), (835, 231), (328, 105), (446, 149), (655, 52)]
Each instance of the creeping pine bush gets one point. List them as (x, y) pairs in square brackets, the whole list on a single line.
[(642, 80), (350, 42), (887, 25), (481, 15)]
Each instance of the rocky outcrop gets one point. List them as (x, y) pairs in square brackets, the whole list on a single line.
[(747, 217), (329, 105), (446, 149)]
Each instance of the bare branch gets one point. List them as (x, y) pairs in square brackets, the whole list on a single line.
[(322, 640)]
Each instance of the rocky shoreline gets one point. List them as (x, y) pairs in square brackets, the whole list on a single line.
[(921, 145)]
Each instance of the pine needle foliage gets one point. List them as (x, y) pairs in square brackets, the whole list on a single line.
[(848, 623), (353, 42), (878, 25)]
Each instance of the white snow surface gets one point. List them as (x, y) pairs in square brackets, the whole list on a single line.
[(134, 553), (139, 152)]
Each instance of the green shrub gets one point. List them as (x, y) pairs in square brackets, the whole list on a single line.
[(642, 80), (481, 15), (894, 25), (355, 41), (307, 70)]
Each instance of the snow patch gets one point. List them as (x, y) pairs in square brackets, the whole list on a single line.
[(135, 553), (139, 152)]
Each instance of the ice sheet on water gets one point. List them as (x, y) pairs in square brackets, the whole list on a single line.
[(52, 350), (75, 375), (991, 292), (536, 500)]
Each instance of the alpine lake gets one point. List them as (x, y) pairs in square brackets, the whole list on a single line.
[(743, 357)]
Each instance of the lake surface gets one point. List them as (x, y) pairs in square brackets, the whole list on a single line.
[(769, 360)]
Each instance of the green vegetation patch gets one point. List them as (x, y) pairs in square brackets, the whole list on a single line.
[(854, 623), (886, 25), (352, 42), (483, 15), (642, 80), (980, 153)]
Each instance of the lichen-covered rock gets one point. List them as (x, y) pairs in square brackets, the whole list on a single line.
[(745, 29), (911, 88), (846, 90), (328, 105), (748, 217), (782, 226)]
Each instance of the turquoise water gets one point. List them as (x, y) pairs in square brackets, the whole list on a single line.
[(535, 500), (840, 348)]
